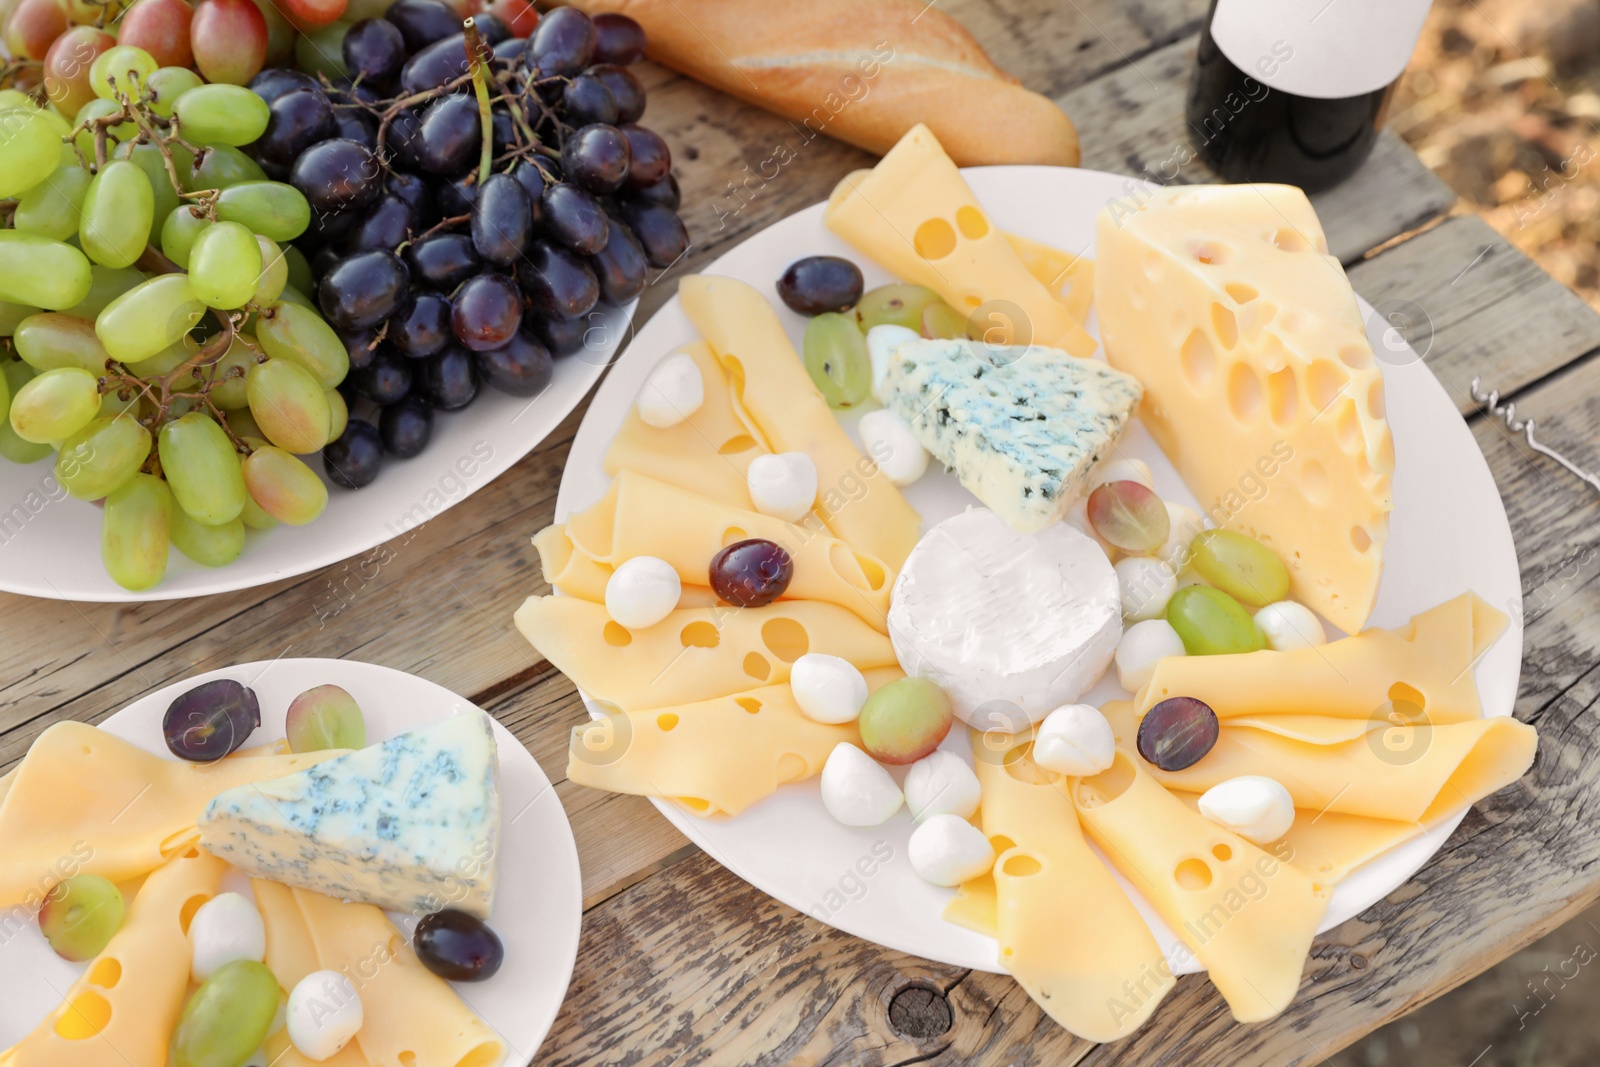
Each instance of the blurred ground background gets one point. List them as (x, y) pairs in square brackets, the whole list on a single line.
[(1502, 100)]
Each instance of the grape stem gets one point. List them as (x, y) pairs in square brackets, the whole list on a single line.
[(402, 103), (442, 224), (478, 62)]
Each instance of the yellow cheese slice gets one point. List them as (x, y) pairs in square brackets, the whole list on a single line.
[(640, 516), (121, 1012), (1408, 773), (714, 757), (411, 1016), (291, 956), (1260, 385), (769, 383), (1068, 933), (914, 214), (1246, 914), (693, 654), (707, 453), (1328, 845), (86, 802), (976, 906), (1069, 278), (572, 573), (1422, 670)]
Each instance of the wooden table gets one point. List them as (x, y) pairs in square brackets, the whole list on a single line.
[(681, 962)]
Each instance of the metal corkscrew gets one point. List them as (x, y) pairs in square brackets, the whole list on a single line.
[(1507, 413)]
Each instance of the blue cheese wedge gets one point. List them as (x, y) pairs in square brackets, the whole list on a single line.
[(1020, 426), (412, 824)]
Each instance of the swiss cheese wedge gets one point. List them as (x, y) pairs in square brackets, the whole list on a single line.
[(1068, 277), (123, 1009), (86, 802), (1260, 385)]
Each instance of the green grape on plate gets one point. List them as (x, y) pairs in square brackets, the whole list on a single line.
[(202, 468), (117, 213), (227, 1018), (299, 335), (221, 115), (134, 532), (179, 231), (225, 265), (209, 546), (55, 405), (53, 339), (835, 353), (121, 69), (40, 272), (54, 207), (30, 150), (289, 405), (284, 486), (149, 317), (272, 209), (100, 457)]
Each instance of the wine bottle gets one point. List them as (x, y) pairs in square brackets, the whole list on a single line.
[(1295, 91)]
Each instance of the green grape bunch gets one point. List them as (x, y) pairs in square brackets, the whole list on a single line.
[(150, 336)]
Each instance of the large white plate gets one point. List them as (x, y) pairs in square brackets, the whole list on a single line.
[(537, 911), (50, 543), (1448, 534)]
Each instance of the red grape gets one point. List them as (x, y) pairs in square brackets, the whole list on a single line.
[(34, 27), (1177, 733), (751, 573), (229, 38), (211, 720), (160, 27), (66, 67), (310, 14), (518, 15)]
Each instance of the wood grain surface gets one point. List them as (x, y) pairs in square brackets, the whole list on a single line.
[(681, 962)]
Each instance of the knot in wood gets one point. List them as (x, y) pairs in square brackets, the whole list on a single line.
[(920, 1013)]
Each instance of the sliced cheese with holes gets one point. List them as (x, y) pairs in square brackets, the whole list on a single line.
[(1246, 914), (1423, 668), (1069, 278), (914, 214), (1068, 933), (707, 453), (714, 757), (693, 654), (769, 384), (976, 906), (86, 802), (123, 1009), (411, 1016), (1328, 845), (572, 573), (640, 516), (291, 956), (1260, 384), (1408, 773)]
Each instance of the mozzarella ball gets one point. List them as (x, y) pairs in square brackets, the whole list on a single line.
[(324, 1014), (1143, 645), (642, 592), (674, 391), (1077, 516), (1146, 585), (881, 343), (1287, 626), (948, 850), (856, 789), (1183, 523), (941, 783), (225, 928), (827, 688), (1075, 740), (1120, 470), (783, 486), (1257, 808), (888, 439)]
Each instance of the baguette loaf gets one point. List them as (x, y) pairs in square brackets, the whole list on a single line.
[(863, 71)]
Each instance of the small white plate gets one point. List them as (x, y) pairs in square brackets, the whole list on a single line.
[(1448, 534), (538, 908), (50, 543)]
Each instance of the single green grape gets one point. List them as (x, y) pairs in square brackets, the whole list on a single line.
[(299, 270), (836, 357), (166, 84), (134, 532), (895, 305), (321, 50), (54, 339), (1210, 622), (272, 209), (98, 458), (99, 108), (15, 375), (209, 546), (54, 207), (274, 272), (222, 166), (105, 285), (1240, 566), (323, 718), (55, 405), (202, 469), (289, 331), (117, 213), (905, 720), (147, 157), (943, 321), (289, 405), (285, 487), (227, 1018), (81, 915), (293, 294), (40, 272), (224, 265), (148, 318), (121, 69), (229, 388), (254, 518), (179, 230), (338, 414), (30, 150), (221, 114)]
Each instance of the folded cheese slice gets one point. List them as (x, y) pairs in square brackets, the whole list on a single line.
[(291, 956), (1246, 914), (1260, 384), (84, 801), (412, 1018), (707, 453), (693, 654), (1069, 278), (572, 573), (770, 385), (915, 214), (1068, 933), (640, 516), (976, 906), (1420, 670), (123, 1009)]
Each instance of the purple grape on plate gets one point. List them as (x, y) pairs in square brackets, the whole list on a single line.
[(211, 720), (1177, 733), (456, 946), (751, 573)]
